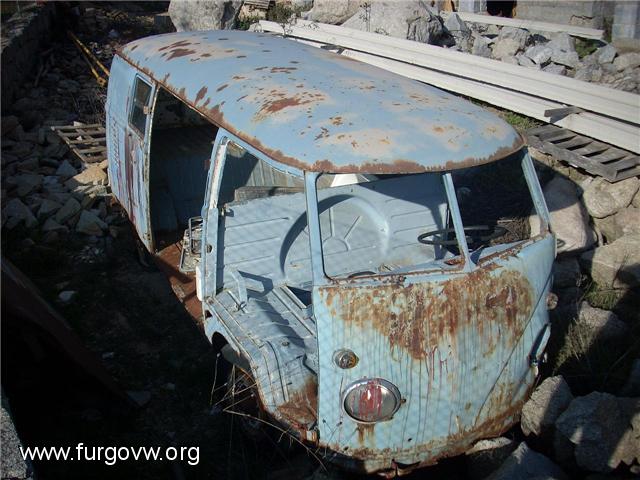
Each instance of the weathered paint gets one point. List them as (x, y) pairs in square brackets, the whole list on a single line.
[(457, 344), (128, 150), (318, 111), (458, 348)]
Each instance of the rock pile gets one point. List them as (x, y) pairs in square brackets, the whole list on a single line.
[(47, 193), (554, 53), (598, 432)]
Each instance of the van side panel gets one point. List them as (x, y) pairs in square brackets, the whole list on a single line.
[(127, 149)]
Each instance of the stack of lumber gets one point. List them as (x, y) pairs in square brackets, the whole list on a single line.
[(599, 112)]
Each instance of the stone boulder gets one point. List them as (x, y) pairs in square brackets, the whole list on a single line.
[(188, 15), (555, 69), (90, 224), (505, 48), (602, 324), (615, 265), (426, 29), (92, 175), (526, 464), (487, 455), (627, 60), (606, 54), (481, 47), (603, 198), (568, 59), (510, 41), (625, 222), (540, 54), (460, 32), (588, 73), (333, 11), (569, 219), (562, 42), (546, 404), (395, 18), (603, 430), (68, 211), (15, 213), (66, 169)]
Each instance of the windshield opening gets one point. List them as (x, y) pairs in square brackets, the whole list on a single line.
[(395, 224), (372, 227), (495, 204)]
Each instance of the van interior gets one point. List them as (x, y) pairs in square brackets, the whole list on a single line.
[(369, 225)]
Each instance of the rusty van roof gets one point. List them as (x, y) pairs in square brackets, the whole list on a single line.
[(317, 110)]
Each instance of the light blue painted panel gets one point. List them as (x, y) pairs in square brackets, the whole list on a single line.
[(364, 227)]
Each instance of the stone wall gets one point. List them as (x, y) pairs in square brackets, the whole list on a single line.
[(23, 36), (626, 21), (589, 14)]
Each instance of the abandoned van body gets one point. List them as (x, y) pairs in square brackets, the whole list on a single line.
[(360, 240)]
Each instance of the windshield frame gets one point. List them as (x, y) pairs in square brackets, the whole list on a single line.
[(466, 263)]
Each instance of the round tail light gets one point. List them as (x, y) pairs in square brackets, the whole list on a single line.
[(371, 400)]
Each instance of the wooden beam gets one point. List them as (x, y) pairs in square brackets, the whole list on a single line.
[(614, 103), (531, 25)]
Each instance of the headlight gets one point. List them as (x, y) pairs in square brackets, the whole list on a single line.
[(371, 400)]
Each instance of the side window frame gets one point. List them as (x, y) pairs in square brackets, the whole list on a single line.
[(146, 108)]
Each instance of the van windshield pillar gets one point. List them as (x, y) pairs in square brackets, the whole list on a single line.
[(313, 221)]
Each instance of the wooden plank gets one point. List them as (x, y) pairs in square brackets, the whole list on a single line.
[(568, 91), (578, 141), (87, 142), (559, 135), (608, 156), (572, 30), (591, 149), (595, 126), (92, 150), (613, 164)]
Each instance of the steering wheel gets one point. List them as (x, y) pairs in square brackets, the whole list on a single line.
[(474, 238)]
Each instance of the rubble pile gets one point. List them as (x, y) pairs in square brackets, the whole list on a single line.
[(47, 192), (557, 53)]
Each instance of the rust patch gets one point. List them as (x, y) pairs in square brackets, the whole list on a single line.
[(365, 431), (181, 43), (301, 409), (238, 77), (201, 93), (417, 318), (398, 165), (182, 284), (324, 133), (336, 120), (180, 52), (222, 87), (282, 69)]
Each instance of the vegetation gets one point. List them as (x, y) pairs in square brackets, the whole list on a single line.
[(245, 22), (586, 47), (518, 121)]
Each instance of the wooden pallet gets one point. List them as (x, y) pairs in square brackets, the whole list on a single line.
[(597, 158), (88, 142)]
